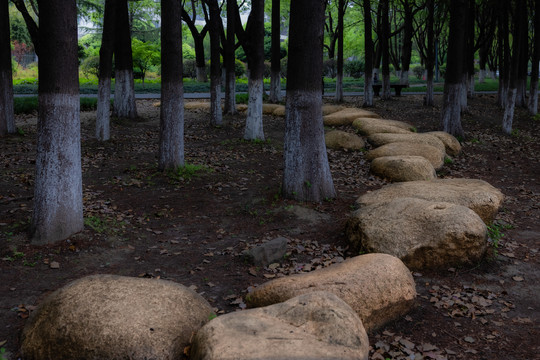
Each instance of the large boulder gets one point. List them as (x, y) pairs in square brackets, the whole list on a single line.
[(424, 234), (115, 317), (279, 111), (453, 147), (477, 195), (378, 287), (330, 109), (370, 128), (403, 168), (268, 109), (434, 155), (338, 140), (347, 116), (414, 138), (313, 326), (378, 121), (197, 105)]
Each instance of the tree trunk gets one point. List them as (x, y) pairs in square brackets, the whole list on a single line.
[(407, 43), (521, 96), (533, 95), (199, 58), (171, 132), (103, 115), (7, 118), (339, 80), (216, 116), (503, 51), (306, 173), (430, 61), (451, 111), (275, 73), (386, 95), (368, 46), (230, 77), (124, 89), (254, 120), (58, 208)]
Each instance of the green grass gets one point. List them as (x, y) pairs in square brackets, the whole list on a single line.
[(187, 172)]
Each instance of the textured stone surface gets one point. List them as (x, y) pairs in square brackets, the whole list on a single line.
[(337, 140), (115, 317), (403, 168), (268, 252), (453, 147), (370, 128), (378, 287), (318, 325), (477, 195), (434, 155), (415, 138), (330, 109), (347, 116), (395, 123), (268, 109), (424, 234)]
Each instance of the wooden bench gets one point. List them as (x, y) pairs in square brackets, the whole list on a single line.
[(397, 88)]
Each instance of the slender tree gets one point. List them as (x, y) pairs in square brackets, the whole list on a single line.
[(339, 63), (407, 40), (451, 111), (31, 25), (306, 174), (124, 89), (275, 73), (430, 59), (229, 59), (58, 209), (103, 114), (384, 41), (198, 39), (214, 21), (171, 133), (368, 46), (503, 50), (7, 119), (533, 95), (255, 38)]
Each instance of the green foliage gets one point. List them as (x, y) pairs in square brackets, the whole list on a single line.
[(418, 71), (239, 68), (495, 234), (3, 355), (145, 56), (190, 68), (355, 68), (448, 160), (330, 68), (95, 223), (188, 52), (187, 172), (90, 66)]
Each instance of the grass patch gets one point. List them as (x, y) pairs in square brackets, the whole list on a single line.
[(187, 172)]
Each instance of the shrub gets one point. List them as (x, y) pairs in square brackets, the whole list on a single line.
[(355, 68), (239, 68), (267, 70), (90, 66), (330, 68), (284, 67), (190, 68), (418, 71)]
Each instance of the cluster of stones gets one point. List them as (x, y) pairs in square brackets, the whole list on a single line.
[(323, 314)]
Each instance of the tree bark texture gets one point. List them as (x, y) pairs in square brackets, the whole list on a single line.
[(368, 48), (230, 77), (503, 50), (254, 120), (430, 61), (103, 114), (124, 89), (216, 115), (7, 118), (306, 174), (533, 94), (58, 208), (451, 111), (407, 42), (339, 63), (275, 73), (384, 41), (171, 132)]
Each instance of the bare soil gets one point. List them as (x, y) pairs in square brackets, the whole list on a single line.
[(191, 227)]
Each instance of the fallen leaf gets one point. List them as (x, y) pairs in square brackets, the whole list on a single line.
[(469, 339), (54, 265), (517, 278)]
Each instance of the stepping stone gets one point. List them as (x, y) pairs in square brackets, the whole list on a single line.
[(115, 317), (414, 138), (433, 154), (197, 105), (268, 109), (347, 116), (396, 123), (318, 325), (403, 168), (477, 195), (339, 140), (453, 147), (378, 287), (370, 128), (330, 109), (423, 234), (280, 111)]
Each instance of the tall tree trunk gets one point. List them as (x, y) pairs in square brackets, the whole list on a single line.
[(216, 117), (58, 208), (430, 61), (368, 47), (171, 132), (520, 20), (275, 73), (407, 42), (386, 95), (103, 115), (124, 89), (339, 80), (230, 77), (200, 63), (31, 25), (503, 51), (451, 111), (7, 118), (521, 96), (306, 173), (533, 94), (254, 120)]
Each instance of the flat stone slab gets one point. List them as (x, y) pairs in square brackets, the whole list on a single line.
[(477, 195), (378, 121), (378, 287), (403, 168), (413, 138), (370, 128), (115, 317), (423, 234), (347, 116), (339, 140), (318, 325), (432, 154)]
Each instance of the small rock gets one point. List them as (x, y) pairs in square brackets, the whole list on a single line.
[(267, 253)]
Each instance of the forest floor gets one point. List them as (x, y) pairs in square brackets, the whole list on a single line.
[(192, 226)]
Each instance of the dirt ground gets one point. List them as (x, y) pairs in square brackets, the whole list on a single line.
[(191, 227)]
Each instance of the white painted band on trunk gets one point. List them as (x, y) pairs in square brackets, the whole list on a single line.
[(254, 120)]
